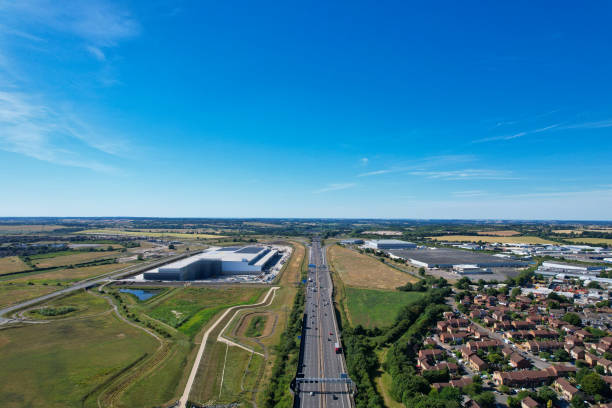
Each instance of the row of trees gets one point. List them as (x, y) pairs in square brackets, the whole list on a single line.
[(287, 354)]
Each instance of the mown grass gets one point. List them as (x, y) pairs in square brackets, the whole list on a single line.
[(59, 363), (376, 308)]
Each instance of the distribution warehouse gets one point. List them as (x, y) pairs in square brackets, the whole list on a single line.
[(448, 258), (248, 260)]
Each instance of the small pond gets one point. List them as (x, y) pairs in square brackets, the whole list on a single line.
[(141, 294)]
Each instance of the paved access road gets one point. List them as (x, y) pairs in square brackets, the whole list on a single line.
[(320, 359), (129, 270)]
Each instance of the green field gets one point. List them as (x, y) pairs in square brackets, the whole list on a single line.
[(256, 326), (59, 363), (376, 308), (83, 302), (146, 233), (191, 308)]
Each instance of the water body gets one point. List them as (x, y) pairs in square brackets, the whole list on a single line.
[(140, 293)]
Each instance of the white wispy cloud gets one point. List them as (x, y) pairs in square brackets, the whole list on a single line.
[(423, 163), (96, 52), (376, 172), (590, 125), (40, 132), (364, 161), (100, 22), (518, 134), (49, 128), (335, 187), (469, 193), (466, 174)]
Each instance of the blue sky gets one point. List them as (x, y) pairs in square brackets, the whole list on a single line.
[(306, 109)]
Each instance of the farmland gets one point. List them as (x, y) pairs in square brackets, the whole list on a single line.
[(376, 308), (17, 288), (10, 264), (22, 229), (489, 239), (362, 271), (148, 233), (58, 364), (596, 241), (71, 258), (501, 233), (67, 275)]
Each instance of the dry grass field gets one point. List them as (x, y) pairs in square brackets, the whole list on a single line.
[(12, 293), (567, 231), (72, 259), (501, 240), (361, 271), (10, 264), (13, 229), (149, 233), (502, 233), (69, 274), (595, 241)]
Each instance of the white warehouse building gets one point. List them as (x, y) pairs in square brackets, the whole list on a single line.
[(389, 244), (248, 260)]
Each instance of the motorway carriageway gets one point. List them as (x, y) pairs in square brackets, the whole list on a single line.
[(320, 336)]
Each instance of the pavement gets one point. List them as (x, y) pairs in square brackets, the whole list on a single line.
[(320, 359)]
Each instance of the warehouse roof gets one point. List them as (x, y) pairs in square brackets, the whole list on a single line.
[(446, 256)]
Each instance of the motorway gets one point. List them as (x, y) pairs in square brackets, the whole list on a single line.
[(320, 359)]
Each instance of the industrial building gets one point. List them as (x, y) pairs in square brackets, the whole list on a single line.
[(351, 241), (450, 258), (248, 260), (561, 268), (384, 244)]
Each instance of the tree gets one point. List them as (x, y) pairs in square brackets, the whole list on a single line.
[(547, 394), (577, 402), (593, 285), (422, 271), (593, 384), (171, 246), (561, 355), (486, 399), (572, 318), (463, 283), (515, 292)]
